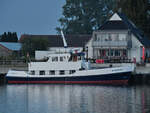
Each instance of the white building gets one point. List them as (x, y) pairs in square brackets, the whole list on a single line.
[(55, 43), (118, 39)]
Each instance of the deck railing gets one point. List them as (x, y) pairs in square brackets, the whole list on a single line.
[(113, 60)]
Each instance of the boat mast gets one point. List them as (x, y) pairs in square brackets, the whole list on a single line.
[(64, 40)]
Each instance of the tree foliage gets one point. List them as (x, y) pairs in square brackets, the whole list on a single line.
[(9, 37), (84, 16), (30, 45), (138, 11)]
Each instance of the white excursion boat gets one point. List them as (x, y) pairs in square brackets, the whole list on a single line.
[(69, 68)]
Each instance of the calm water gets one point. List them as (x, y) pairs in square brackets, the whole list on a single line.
[(74, 99)]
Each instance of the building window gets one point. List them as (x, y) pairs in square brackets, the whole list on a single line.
[(52, 72), (108, 52), (109, 37), (122, 37), (115, 37), (102, 53), (42, 72), (103, 37), (32, 72), (72, 71), (99, 37), (124, 53), (95, 38), (117, 53), (62, 72), (111, 52)]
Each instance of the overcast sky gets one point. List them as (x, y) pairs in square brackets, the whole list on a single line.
[(30, 16)]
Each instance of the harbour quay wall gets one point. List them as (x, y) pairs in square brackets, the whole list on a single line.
[(143, 69), (141, 74), (6, 65), (102, 65), (141, 79), (139, 69), (2, 78), (5, 68)]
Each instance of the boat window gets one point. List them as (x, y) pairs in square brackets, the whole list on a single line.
[(32, 72), (42, 72), (75, 58), (61, 58), (54, 59), (52, 72), (62, 72), (79, 57), (72, 71), (64, 58), (68, 57), (71, 57)]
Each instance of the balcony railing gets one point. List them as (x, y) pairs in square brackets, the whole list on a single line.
[(112, 44)]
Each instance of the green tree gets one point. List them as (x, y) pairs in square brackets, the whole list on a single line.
[(30, 45), (138, 11), (14, 37), (9, 37), (4, 37), (84, 16)]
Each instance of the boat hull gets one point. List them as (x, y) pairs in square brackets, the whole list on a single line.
[(116, 79)]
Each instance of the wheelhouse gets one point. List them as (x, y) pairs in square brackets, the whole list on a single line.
[(58, 64)]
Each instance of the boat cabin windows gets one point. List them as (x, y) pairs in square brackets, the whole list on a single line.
[(62, 72), (61, 59), (54, 59), (72, 71), (42, 72), (52, 72), (76, 57), (32, 72)]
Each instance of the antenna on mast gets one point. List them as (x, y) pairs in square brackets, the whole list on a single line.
[(64, 40)]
